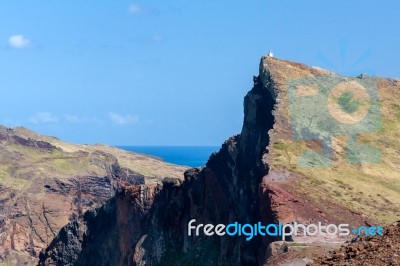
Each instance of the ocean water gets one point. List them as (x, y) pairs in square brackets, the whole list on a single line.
[(193, 156)]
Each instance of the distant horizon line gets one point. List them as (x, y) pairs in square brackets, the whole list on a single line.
[(163, 145)]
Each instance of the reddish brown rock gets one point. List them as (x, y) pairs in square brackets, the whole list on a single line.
[(254, 177), (367, 250), (46, 183)]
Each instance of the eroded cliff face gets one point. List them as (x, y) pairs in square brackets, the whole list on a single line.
[(225, 191), (46, 183), (253, 178)]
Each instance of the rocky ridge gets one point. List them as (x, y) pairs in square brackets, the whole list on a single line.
[(254, 177), (45, 183)]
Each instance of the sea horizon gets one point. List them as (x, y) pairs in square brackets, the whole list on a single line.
[(191, 156)]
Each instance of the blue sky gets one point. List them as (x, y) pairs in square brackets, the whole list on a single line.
[(171, 72)]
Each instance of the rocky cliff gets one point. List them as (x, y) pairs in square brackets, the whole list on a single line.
[(225, 191), (256, 176), (46, 183)]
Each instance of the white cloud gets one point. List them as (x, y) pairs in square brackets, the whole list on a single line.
[(138, 9), (135, 9), (43, 118), (123, 119), (19, 41), (81, 119)]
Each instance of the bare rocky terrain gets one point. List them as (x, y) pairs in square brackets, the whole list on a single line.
[(257, 176), (367, 250), (46, 183)]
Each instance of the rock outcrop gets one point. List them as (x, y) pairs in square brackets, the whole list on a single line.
[(255, 177), (46, 183), (367, 250), (225, 191)]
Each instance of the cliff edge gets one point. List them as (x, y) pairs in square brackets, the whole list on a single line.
[(45, 183), (260, 175)]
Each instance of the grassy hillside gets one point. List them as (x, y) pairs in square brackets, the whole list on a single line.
[(21, 164), (369, 188)]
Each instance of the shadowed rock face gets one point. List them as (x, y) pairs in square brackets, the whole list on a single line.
[(155, 219), (46, 183), (254, 177)]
